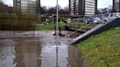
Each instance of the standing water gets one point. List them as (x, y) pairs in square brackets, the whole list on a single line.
[(38, 51)]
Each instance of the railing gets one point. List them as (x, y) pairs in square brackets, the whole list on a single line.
[(75, 33)]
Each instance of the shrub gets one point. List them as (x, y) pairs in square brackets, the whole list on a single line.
[(17, 22)]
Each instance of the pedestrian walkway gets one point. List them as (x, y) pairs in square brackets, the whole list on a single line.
[(11, 34)]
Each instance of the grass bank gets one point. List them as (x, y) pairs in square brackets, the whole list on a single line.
[(102, 50), (47, 27), (44, 27), (81, 25)]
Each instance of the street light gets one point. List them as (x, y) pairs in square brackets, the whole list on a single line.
[(57, 32)]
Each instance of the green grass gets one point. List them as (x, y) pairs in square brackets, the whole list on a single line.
[(81, 25), (76, 25), (47, 27), (44, 27), (102, 50)]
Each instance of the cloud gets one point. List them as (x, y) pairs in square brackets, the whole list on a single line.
[(8, 2), (50, 3), (63, 3), (104, 3)]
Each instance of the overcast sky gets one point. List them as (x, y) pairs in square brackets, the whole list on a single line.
[(63, 3)]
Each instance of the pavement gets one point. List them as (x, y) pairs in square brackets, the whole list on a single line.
[(23, 49)]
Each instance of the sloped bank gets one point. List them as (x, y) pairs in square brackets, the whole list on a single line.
[(96, 30), (102, 50)]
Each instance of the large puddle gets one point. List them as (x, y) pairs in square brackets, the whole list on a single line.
[(42, 51)]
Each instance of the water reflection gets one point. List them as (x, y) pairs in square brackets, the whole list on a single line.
[(39, 52), (27, 52), (7, 53), (54, 56)]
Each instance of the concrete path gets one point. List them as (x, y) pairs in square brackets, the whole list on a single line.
[(38, 51)]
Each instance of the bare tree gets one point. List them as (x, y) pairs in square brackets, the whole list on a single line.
[(43, 9), (52, 10), (106, 9), (38, 7), (5, 9)]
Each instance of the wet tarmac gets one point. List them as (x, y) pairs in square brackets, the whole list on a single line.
[(38, 51)]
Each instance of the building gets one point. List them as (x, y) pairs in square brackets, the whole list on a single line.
[(116, 5), (0, 1), (82, 7), (26, 6)]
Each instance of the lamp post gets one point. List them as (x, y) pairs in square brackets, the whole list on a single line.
[(57, 32)]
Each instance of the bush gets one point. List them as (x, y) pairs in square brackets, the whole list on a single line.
[(17, 22)]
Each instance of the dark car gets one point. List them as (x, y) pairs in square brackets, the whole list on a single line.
[(90, 20), (94, 20)]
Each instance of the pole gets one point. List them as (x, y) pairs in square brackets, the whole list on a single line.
[(57, 32), (57, 65)]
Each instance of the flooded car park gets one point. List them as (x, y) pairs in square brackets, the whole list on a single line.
[(39, 51)]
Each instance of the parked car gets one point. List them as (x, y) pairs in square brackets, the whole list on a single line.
[(94, 20), (97, 20), (68, 21), (90, 20), (110, 16)]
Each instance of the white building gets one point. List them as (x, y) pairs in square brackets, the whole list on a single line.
[(116, 5), (90, 7), (25, 6), (83, 7), (0, 0)]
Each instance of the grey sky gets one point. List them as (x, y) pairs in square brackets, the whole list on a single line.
[(63, 3)]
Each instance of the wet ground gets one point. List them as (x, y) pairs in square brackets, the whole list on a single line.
[(38, 49)]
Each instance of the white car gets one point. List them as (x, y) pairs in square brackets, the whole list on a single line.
[(97, 20), (110, 16), (69, 21), (94, 20)]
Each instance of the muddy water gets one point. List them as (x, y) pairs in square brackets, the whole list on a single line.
[(42, 51)]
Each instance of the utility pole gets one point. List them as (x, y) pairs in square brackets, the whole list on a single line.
[(57, 32)]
